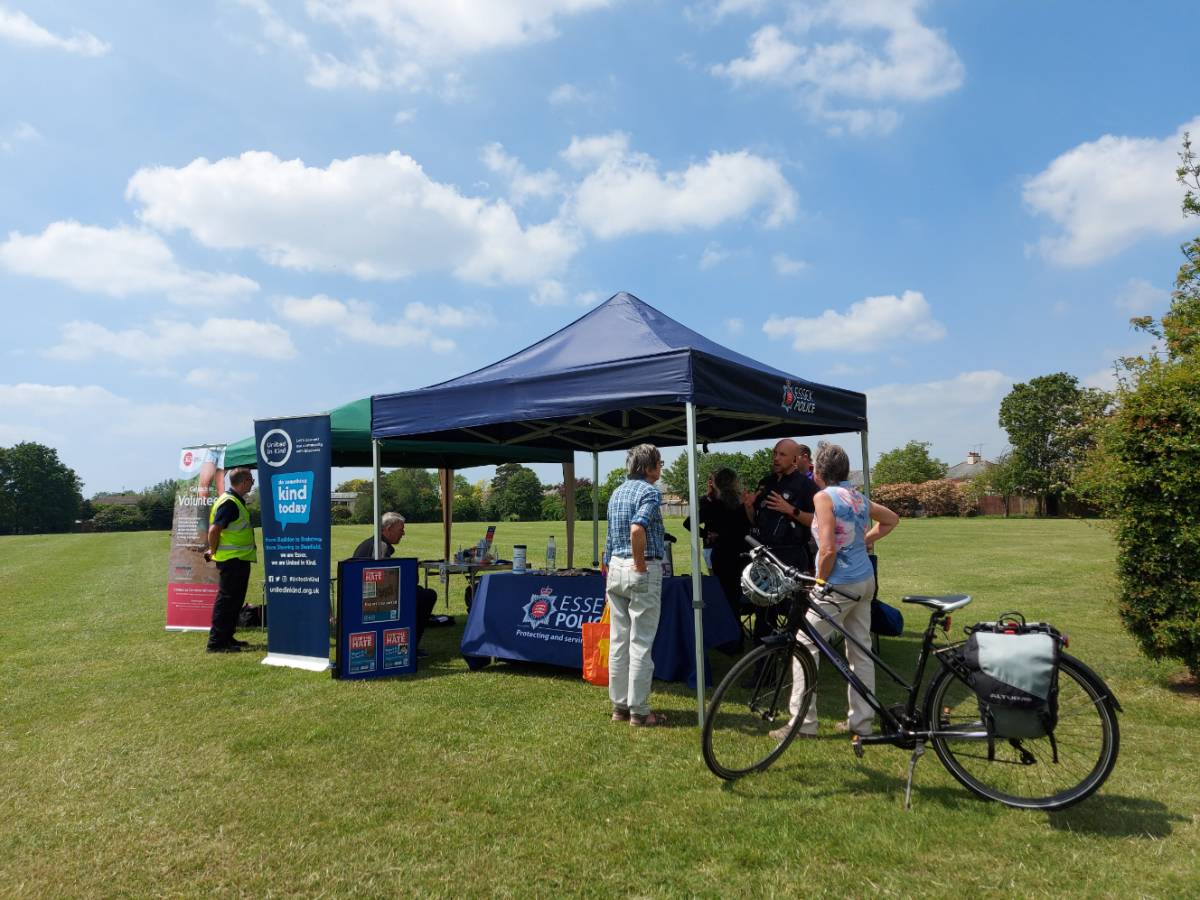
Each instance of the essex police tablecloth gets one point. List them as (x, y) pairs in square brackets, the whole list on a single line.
[(538, 618)]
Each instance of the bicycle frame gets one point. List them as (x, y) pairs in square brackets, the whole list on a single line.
[(895, 731)]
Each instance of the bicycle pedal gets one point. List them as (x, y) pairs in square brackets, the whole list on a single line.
[(857, 744)]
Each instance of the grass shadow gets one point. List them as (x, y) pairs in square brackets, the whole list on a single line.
[(1114, 815)]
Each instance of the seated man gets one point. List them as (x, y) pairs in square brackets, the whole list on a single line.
[(391, 530)]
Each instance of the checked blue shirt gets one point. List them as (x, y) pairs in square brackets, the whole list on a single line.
[(635, 502)]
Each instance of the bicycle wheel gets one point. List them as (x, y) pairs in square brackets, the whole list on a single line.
[(752, 701), (1027, 773)]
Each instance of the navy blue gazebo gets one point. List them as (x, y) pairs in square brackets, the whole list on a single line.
[(621, 375)]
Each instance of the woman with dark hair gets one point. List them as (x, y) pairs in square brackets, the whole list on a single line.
[(723, 529)]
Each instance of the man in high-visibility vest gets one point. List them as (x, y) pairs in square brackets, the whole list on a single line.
[(231, 547)]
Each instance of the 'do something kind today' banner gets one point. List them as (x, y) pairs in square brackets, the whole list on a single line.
[(294, 458)]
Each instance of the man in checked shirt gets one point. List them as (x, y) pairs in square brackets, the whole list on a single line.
[(634, 550)]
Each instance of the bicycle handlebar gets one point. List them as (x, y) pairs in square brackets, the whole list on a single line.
[(757, 548)]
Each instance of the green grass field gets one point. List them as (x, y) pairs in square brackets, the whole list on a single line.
[(135, 764)]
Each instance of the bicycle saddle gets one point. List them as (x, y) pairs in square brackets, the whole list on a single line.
[(945, 603)]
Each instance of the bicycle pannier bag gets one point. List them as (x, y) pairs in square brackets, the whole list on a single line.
[(1013, 670)]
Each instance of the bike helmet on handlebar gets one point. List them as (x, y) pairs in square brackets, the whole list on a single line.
[(764, 584)]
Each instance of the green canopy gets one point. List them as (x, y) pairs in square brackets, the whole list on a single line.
[(352, 447)]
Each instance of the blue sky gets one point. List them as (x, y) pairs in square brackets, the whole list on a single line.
[(219, 211)]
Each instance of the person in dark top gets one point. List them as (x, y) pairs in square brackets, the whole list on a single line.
[(231, 546), (781, 508), (723, 529), (391, 530)]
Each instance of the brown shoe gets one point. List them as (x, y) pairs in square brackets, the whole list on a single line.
[(649, 720), (620, 715)]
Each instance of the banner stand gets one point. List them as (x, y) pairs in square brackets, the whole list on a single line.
[(191, 579), (294, 460)]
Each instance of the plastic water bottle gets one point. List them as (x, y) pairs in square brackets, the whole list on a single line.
[(550, 554)]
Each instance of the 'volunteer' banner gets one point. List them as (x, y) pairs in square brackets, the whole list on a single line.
[(294, 458), (192, 582)]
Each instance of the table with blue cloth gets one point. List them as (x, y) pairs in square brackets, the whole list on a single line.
[(538, 618)]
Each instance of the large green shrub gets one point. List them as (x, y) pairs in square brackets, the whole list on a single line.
[(1147, 474), (1146, 468)]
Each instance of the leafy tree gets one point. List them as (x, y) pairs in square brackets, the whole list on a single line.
[(1145, 470), (1051, 424), (910, 464), (357, 485), (157, 505), (521, 498), (468, 500), (38, 493), (1002, 479), (411, 492), (675, 480), (120, 518), (757, 467), (612, 481), (553, 508)]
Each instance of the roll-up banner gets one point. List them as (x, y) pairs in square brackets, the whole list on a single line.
[(192, 582), (294, 458)]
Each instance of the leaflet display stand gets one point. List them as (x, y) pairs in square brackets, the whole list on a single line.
[(377, 618)]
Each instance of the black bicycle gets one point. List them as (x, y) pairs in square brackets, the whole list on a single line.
[(753, 716)]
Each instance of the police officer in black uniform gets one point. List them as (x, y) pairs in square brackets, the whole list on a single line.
[(781, 510)]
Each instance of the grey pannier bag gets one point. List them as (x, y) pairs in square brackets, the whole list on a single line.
[(1013, 669)]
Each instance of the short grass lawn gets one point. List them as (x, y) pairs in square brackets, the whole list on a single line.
[(133, 764)]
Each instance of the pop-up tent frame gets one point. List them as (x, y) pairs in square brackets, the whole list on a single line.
[(621, 375), (353, 446)]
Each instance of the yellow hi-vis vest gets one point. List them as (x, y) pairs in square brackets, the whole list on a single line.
[(237, 538)]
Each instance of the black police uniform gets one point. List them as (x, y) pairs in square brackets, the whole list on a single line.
[(787, 538)]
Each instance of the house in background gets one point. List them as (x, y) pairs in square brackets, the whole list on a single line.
[(974, 466)]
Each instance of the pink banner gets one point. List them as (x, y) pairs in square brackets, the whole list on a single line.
[(192, 582)]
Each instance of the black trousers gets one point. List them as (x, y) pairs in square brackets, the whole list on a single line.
[(426, 599), (235, 576)]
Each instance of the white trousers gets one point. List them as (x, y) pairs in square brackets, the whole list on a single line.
[(634, 607), (855, 617)]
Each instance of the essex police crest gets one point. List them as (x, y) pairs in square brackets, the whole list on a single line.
[(540, 608), (797, 399)]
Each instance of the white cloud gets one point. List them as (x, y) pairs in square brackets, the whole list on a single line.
[(839, 52), (953, 414), (219, 379), (20, 29), (588, 298), (118, 262), (404, 116), (735, 326), (522, 184), (23, 133), (167, 339), (722, 8), (400, 43), (627, 195), (714, 254), (1140, 297), (572, 95), (589, 152), (868, 325), (420, 325), (549, 293), (107, 438), (1107, 194), (378, 217), (785, 265)]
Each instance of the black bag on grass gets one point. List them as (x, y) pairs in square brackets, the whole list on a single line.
[(251, 616), (1013, 669)]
